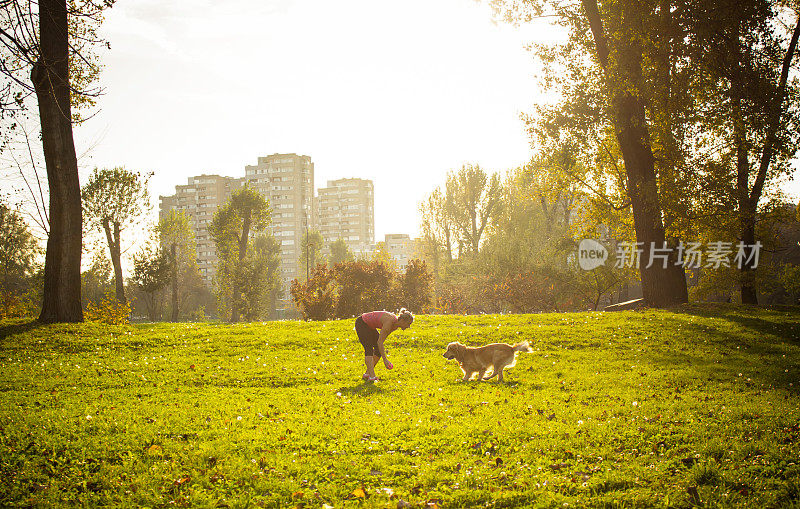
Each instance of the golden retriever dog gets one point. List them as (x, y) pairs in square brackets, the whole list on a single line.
[(473, 360)]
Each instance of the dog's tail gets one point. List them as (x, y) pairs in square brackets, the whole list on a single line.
[(523, 347)]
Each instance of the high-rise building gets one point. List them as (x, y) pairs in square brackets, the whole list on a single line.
[(346, 210), (199, 199), (287, 181), (400, 247)]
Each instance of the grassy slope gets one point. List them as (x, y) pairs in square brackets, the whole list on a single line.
[(626, 408)]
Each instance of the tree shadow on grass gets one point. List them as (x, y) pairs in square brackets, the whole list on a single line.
[(758, 352), (18, 328), (785, 324)]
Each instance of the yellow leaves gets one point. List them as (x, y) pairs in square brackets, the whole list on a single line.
[(154, 450), (108, 311)]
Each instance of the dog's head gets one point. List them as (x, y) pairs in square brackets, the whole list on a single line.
[(453, 351)]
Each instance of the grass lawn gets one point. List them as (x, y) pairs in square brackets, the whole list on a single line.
[(653, 408)]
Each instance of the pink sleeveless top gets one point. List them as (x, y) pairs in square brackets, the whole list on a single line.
[(373, 319)]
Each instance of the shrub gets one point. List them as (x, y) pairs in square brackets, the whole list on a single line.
[(363, 286), (108, 310), (15, 305), (315, 298), (414, 286)]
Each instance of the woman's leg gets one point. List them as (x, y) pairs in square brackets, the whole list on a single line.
[(370, 362)]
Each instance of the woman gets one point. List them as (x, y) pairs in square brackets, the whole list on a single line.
[(373, 328)]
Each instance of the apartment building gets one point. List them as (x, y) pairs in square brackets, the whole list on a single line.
[(400, 248), (346, 210), (287, 181), (199, 199)]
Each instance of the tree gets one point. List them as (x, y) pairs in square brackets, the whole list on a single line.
[(746, 59), (61, 68), (340, 252), (381, 255), (177, 240), (246, 212), (619, 50), (19, 251), (316, 297), (114, 199), (471, 199), (261, 284), (437, 229), (363, 285), (97, 281), (310, 251), (152, 272), (415, 286)]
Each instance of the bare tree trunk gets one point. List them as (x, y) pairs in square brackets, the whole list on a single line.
[(50, 77), (661, 287)]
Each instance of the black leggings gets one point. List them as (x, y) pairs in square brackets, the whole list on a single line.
[(368, 338)]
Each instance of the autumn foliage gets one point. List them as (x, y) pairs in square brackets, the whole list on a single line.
[(350, 288)]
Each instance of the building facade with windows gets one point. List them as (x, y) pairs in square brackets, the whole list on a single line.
[(346, 210), (400, 247), (287, 181), (199, 199)]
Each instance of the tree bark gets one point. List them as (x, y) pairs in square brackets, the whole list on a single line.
[(173, 251), (243, 240), (116, 252), (661, 287), (748, 201), (746, 218), (50, 76)]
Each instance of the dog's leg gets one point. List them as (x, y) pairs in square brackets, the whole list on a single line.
[(494, 374), (499, 370), (480, 374)]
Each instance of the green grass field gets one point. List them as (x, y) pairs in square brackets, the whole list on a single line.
[(653, 408)]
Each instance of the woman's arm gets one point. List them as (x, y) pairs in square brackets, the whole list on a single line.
[(386, 329)]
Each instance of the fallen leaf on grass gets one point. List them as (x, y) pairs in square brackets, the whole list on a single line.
[(359, 493)]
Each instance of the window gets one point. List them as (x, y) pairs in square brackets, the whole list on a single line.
[(287, 242)]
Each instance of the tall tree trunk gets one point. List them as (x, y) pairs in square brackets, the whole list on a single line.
[(116, 254), (174, 255), (747, 226), (243, 240), (661, 286), (50, 77)]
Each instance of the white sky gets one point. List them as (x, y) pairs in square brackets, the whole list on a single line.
[(397, 92)]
